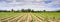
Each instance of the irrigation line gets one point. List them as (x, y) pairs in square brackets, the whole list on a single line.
[(8, 18), (21, 19), (0, 20), (32, 19), (26, 18), (36, 18), (15, 18), (29, 17)]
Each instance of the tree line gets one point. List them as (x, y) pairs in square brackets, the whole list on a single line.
[(26, 10)]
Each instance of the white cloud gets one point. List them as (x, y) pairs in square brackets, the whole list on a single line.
[(32, 4)]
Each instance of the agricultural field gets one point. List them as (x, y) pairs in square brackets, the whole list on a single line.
[(30, 17)]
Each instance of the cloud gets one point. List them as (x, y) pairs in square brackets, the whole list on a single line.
[(32, 4), (48, 2), (12, 3)]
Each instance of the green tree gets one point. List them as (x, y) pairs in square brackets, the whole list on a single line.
[(44, 10), (28, 10), (12, 10), (22, 10)]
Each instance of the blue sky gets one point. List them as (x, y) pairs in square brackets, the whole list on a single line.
[(48, 5)]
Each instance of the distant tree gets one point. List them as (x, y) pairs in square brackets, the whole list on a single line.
[(32, 10), (44, 10), (25, 10), (4, 11), (18, 10), (12, 10), (58, 10), (22, 10), (28, 10)]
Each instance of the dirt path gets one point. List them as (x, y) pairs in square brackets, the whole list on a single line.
[(23, 18), (29, 18), (15, 19), (7, 19), (36, 18)]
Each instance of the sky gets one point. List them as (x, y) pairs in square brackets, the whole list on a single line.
[(48, 5)]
